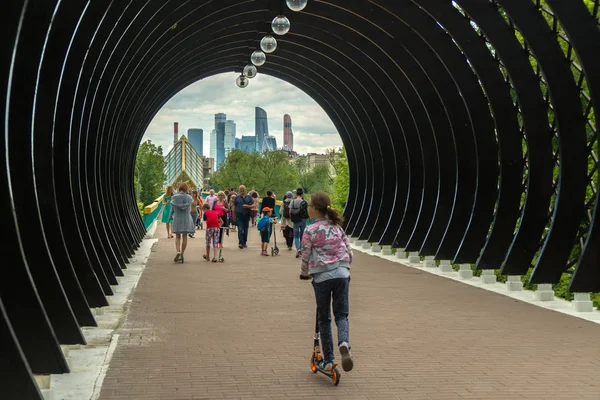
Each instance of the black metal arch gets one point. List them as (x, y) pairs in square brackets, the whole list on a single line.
[(470, 128)]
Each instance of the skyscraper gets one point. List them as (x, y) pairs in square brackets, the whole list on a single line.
[(214, 139), (220, 117), (229, 136), (261, 127), (270, 143), (196, 138), (220, 135), (213, 144), (288, 135), (248, 144)]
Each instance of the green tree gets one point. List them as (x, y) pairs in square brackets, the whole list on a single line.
[(150, 167), (269, 170), (316, 179), (341, 181)]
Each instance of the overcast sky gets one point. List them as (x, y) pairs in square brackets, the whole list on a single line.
[(196, 105)]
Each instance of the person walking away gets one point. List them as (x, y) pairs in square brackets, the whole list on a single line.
[(222, 208), (265, 227), (298, 215), (194, 210), (213, 226), (166, 213), (254, 209), (287, 226), (183, 224), (268, 201), (211, 198), (243, 204), (326, 258)]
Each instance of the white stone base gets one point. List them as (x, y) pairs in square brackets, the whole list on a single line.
[(359, 243), (376, 248), (386, 250), (366, 245), (544, 292), (429, 262), (582, 303), (351, 239), (43, 381), (513, 283), (414, 258), (465, 271), (98, 311), (488, 276), (445, 266), (401, 254), (47, 394)]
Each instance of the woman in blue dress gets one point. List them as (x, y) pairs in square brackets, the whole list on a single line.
[(166, 214), (182, 219)]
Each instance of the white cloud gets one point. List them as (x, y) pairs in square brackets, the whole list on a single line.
[(196, 105)]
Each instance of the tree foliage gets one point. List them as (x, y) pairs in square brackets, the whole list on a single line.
[(269, 170), (316, 179), (150, 167), (341, 181)]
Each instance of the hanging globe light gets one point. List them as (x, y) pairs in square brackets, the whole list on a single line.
[(268, 44), (242, 81), (258, 58), (280, 25), (296, 5), (250, 71)]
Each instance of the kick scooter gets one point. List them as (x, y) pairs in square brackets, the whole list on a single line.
[(274, 248), (316, 358), (220, 256)]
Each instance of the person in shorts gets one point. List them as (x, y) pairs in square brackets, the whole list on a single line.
[(213, 226)]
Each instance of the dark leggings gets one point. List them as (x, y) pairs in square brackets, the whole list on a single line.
[(324, 292)]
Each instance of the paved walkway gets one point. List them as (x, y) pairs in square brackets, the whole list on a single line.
[(243, 330)]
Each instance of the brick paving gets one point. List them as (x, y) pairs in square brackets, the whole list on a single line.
[(243, 330)]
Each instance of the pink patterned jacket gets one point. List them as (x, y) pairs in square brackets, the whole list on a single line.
[(325, 246)]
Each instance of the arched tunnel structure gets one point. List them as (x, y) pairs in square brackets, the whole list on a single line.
[(470, 128)]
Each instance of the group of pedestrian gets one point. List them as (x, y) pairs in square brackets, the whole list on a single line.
[(323, 246)]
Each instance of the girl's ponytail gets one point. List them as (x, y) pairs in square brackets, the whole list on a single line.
[(335, 216)]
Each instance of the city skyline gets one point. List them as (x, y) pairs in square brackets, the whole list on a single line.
[(195, 107)]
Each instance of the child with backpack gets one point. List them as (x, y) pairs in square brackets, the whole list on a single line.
[(265, 226), (326, 258), (298, 215)]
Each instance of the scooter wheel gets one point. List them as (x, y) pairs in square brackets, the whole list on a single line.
[(335, 376), (222, 260), (313, 365), (276, 251)]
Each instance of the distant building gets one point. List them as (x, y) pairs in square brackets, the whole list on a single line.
[(184, 164), (238, 141), (208, 167), (229, 136), (261, 127), (220, 117), (196, 138), (315, 159), (248, 144), (270, 143), (213, 144), (288, 135), (220, 128)]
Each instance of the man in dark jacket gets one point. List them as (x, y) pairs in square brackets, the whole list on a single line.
[(243, 203)]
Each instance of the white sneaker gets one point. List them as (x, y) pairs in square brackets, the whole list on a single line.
[(347, 362)]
